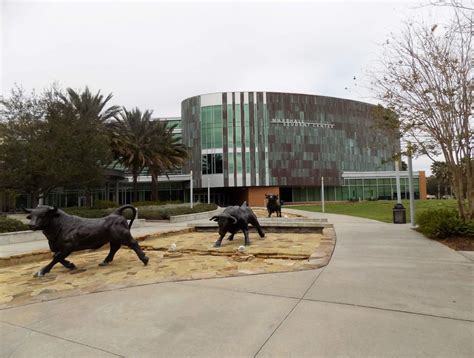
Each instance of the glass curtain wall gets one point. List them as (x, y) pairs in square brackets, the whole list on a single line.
[(211, 139), (359, 189)]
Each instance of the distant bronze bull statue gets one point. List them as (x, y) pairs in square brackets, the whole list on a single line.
[(234, 219), (273, 205), (68, 233)]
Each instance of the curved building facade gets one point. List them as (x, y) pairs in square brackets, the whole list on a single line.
[(247, 143)]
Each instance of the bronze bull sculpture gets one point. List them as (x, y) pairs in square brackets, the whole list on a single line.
[(68, 233)]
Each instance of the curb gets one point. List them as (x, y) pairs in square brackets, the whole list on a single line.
[(194, 216)]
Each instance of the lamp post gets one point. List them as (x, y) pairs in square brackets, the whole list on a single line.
[(208, 190), (410, 187), (322, 194), (399, 214), (397, 179), (191, 191)]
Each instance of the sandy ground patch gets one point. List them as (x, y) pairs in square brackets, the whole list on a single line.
[(195, 258)]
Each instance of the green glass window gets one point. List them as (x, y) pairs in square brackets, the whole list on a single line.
[(211, 127), (238, 128), (247, 125), (211, 164), (230, 129), (239, 163)]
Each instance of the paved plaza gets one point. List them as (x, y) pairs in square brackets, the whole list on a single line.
[(387, 292)]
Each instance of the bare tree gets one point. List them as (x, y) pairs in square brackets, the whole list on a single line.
[(425, 80)]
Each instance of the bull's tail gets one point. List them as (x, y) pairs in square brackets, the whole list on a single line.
[(119, 211)]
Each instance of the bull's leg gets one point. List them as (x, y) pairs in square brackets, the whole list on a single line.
[(256, 225), (231, 237), (58, 257), (279, 213), (68, 264), (219, 241), (114, 247), (246, 235), (269, 213), (133, 244)]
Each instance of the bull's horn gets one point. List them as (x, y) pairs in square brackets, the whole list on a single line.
[(215, 218), (26, 210), (244, 203), (233, 218)]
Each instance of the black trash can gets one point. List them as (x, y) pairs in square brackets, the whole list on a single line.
[(399, 214)]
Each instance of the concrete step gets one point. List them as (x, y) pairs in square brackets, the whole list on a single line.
[(278, 225)]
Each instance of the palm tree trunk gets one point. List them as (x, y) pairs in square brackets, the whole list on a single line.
[(88, 202), (154, 186), (34, 199), (135, 186)]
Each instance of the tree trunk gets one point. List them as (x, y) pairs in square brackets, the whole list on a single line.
[(458, 186), (88, 195), (439, 189), (135, 187), (154, 186), (470, 190), (34, 199)]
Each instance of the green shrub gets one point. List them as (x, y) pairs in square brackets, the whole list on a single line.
[(104, 204), (443, 223), (469, 229), (11, 225), (153, 214), (164, 213), (154, 203), (161, 212), (87, 212)]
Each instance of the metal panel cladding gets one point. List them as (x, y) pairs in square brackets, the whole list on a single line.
[(282, 139), (314, 136)]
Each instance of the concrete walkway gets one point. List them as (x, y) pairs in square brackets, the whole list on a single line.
[(387, 292)]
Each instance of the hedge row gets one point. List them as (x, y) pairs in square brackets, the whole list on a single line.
[(10, 225), (161, 212), (443, 223), (106, 204)]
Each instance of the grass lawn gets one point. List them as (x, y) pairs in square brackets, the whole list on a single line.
[(377, 210)]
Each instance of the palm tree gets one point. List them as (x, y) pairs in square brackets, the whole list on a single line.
[(89, 106), (140, 143), (131, 138), (168, 153)]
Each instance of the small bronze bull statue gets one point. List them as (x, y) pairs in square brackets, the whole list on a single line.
[(234, 219)]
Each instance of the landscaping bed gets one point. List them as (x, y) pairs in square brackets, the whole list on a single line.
[(459, 243), (436, 219), (194, 258)]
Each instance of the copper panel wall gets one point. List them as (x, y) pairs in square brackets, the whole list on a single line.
[(191, 134), (322, 137)]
